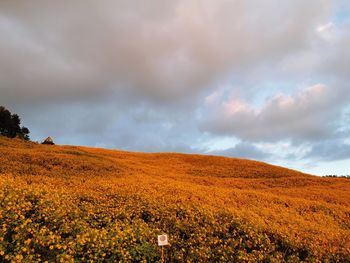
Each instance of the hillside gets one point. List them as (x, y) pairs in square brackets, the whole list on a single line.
[(69, 203)]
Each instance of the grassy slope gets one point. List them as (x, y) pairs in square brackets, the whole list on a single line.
[(309, 214)]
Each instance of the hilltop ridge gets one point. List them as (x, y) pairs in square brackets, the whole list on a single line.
[(109, 205), (42, 156)]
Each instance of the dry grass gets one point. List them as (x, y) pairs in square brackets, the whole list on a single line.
[(303, 217)]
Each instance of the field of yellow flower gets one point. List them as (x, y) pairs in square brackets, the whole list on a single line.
[(74, 204)]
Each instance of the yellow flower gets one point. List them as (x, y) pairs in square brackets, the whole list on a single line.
[(19, 257)]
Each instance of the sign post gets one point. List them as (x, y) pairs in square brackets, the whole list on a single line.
[(163, 241)]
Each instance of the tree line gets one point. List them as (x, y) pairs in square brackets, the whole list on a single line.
[(338, 176), (10, 125)]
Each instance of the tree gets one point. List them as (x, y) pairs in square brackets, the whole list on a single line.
[(10, 125)]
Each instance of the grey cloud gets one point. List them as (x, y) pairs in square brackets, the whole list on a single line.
[(132, 74), (336, 56), (137, 128), (155, 50), (244, 150), (329, 151)]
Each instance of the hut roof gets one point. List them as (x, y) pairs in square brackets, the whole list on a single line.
[(48, 140)]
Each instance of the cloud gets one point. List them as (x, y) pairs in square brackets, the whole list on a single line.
[(155, 51), (307, 115), (177, 75), (244, 150), (329, 151), (325, 27), (337, 57)]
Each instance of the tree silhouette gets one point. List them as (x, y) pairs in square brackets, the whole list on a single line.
[(10, 125)]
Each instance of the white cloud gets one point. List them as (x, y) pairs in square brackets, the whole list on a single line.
[(325, 27)]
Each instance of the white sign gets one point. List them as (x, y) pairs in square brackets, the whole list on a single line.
[(162, 240)]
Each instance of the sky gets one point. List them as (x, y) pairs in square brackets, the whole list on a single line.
[(265, 80)]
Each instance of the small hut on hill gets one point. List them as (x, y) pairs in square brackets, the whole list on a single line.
[(49, 141)]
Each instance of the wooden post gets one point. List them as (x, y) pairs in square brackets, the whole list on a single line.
[(162, 241)]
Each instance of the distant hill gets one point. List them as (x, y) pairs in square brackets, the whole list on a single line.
[(62, 203)]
